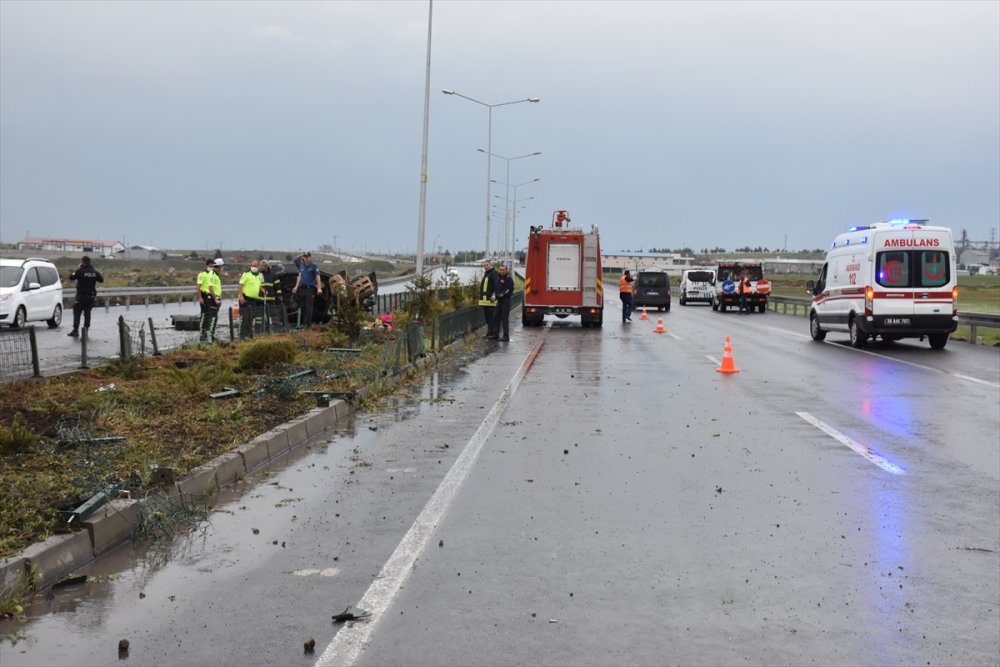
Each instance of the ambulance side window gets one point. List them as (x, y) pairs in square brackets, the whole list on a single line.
[(933, 268), (893, 268), (820, 281)]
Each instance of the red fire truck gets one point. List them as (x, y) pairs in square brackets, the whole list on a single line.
[(562, 274)]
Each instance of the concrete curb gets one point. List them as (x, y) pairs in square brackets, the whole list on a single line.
[(46, 563)]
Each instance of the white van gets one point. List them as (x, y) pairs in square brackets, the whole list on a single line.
[(893, 279), (30, 290), (697, 285)]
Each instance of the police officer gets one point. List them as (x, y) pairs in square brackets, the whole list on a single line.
[(86, 277), (307, 287), (209, 298), (488, 298), (504, 294), (249, 296)]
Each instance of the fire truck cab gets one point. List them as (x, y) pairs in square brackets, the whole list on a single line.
[(562, 274)]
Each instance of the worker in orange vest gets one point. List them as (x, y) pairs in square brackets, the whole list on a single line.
[(625, 293), (744, 294)]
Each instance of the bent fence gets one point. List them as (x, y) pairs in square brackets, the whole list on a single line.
[(19, 356)]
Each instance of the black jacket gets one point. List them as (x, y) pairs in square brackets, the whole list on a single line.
[(488, 286), (86, 278), (505, 287)]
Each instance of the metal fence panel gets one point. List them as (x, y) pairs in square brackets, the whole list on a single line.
[(18, 354)]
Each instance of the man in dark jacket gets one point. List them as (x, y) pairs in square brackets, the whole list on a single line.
[(504, 294), (86, 277), (488, 298)]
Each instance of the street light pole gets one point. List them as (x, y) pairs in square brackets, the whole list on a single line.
[(489, 149), (507, 233), (513, 225), (422, 214)]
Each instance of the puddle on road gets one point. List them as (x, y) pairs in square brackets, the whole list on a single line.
[(245, 525)]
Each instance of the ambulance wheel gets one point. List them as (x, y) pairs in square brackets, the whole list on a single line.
[(938, 341), (683, 302), (857, 338), (814, 329)]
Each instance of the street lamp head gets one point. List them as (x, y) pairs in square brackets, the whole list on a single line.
[(448, 92), (537, 153), (534, 99)]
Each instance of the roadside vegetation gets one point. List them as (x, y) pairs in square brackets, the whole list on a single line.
[(63, 439)]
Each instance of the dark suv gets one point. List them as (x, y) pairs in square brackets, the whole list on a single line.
[(652, 289)]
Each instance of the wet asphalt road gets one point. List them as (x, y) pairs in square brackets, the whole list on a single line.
[(611, 500)]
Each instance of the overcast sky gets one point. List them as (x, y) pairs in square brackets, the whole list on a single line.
[(666, 124)]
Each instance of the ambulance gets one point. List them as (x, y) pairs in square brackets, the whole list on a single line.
[(894, 280)]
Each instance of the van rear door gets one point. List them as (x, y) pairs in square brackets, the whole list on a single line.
[(913, 277)]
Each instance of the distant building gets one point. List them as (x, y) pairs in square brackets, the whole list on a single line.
[(643, 261), (141, 252), (72, 246)]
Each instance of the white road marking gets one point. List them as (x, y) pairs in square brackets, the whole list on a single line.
[(858, 447), (347, 645), (713, 360)]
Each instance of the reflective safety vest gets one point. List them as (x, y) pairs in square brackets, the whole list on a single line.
[(208, 279), (251, 283), (624, 286), (483, 300), (745, 286)]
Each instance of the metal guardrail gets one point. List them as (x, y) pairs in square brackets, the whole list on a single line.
[(972, 320)]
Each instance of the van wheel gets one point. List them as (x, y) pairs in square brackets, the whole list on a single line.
[(857, 338), (814, 329), (761, 308), (722, 307), (938, 341), (20, 317), (56, 317), (667, 309)]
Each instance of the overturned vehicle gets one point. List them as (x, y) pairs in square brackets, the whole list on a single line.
[(337, 289)]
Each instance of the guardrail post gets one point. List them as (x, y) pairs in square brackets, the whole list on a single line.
[(972, 333)]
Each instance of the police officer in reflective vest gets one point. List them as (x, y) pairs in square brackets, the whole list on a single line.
[(270, 288), (209, 298), (249, 296), (488, 298)]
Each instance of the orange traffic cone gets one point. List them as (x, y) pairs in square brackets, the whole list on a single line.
[(659, 325), (727, 359), (236, 307), (644, 315)]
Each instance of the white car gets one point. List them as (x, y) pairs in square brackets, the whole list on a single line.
[(30, 290)]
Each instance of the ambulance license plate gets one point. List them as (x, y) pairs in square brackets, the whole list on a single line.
[(897, 321)]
